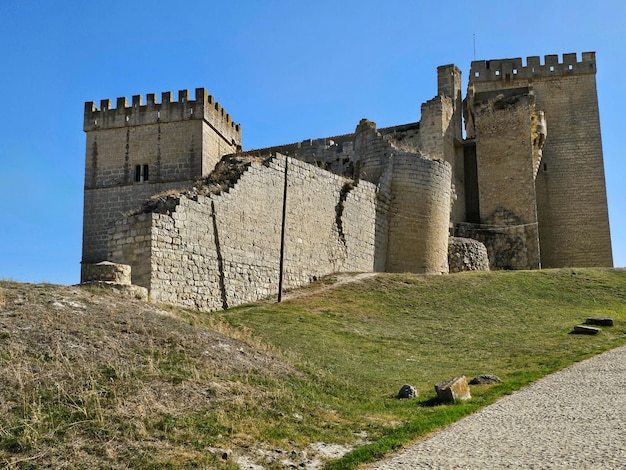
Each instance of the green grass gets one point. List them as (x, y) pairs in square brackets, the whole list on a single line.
[(363, 341), (92, 379)]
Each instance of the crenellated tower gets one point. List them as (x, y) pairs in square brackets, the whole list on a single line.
[(566, 176), (138, 150)]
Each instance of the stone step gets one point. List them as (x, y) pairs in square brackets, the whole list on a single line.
[(585, 330), (599, 321)]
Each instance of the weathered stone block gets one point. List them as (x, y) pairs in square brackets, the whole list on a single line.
[(106, 272), (485, 379), (599, 321), (453, 390), (466, 254), (585, 330)]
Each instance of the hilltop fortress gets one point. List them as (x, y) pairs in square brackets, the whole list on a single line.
[(201, 223)]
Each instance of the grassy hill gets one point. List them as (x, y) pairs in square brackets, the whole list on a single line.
[(92, 378)]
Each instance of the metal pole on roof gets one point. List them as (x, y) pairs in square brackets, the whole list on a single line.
[(474, 35)]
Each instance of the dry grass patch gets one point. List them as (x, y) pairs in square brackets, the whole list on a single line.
[(94, 379)]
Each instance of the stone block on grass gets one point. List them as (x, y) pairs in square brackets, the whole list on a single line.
[(407, 391), (453, 390), (585, 330), (599, 321), (485, 379)]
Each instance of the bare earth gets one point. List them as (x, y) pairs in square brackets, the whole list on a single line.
[(572, 419)]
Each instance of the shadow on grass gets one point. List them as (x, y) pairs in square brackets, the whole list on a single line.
[(429, 403)]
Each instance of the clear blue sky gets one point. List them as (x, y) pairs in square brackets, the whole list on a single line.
[(286, 70)]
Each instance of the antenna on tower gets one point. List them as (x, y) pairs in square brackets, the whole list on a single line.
[(474, 35)]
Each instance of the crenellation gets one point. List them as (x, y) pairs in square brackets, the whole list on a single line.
[(138, 113), (507, 69)]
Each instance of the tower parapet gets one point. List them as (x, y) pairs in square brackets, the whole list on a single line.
[(513, 69), (203, 106)]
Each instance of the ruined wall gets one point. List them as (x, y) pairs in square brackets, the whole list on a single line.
[(173, 143), (338, 155), (334, 154), (466, 254), (571, 192), (223, 250), (507, 204)]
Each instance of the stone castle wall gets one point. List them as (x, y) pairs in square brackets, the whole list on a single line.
[(176, 141), (508, 210), (419, 215), (224, 250), (570, 185)]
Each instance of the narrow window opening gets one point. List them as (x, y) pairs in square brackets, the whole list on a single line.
[(570, 67), (552, 68), (158, 114), (191, 111), (514, 71), (127, 118), (141, 173), (497, 73), (533, 69), (545, 167), (477, 74)]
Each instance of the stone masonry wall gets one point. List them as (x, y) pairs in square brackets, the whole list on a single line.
[(571, 192), (224, 250), (506, 181), (419, 215), (466, 254), (179, 142), (104, 206)]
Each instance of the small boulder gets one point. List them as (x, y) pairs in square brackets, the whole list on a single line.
[(453, 390), (485, 379), (407, 391), (585, 330), (599, 321)]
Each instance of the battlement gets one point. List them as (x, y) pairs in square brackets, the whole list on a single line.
[(203, 107), (514, 69)]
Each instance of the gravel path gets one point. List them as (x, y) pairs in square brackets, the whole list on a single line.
[(573, 419)]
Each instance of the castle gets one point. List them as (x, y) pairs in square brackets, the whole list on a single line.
[(170, 193)]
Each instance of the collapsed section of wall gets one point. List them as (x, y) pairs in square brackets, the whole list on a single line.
[(220, 250), (466, 254)]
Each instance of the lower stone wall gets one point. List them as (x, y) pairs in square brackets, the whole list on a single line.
[(106, 271), (507, 239), (217, 251), (103, 206), (465, 254)]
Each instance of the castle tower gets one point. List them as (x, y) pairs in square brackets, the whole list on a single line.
[(505, 177), (570, 187), (441, 134), (136, 151)]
